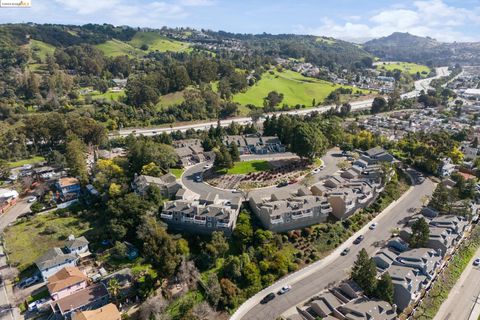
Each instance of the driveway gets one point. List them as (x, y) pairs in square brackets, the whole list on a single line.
[(334, 268)]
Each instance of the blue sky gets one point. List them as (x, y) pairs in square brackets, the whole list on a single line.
[(356, 20)]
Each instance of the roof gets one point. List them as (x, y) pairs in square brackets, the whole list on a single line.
[(65, 278), (82, 298), (364, 308), (108, 312), (69, 181), (77, 242), (54, 257), (375, 151)]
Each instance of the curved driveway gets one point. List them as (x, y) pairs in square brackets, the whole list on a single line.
[(334, 268)]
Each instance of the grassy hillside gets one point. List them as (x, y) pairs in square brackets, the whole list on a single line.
[(41, 49), (405, 67), (156, 42), (296, 89), (114, 48)]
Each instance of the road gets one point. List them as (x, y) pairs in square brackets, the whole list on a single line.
[(6, 297), (463, 296), (422, 84), (311, 280)]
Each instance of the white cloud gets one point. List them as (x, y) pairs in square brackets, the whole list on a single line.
[(432, 18), (197, 3), (84, 7)]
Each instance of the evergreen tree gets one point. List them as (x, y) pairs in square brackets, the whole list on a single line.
[(364, 272), (234, 152), (420, 234), (384, 289)]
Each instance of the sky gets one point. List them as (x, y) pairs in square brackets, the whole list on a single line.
[(353, 20)]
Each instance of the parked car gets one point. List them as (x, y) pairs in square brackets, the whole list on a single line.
[(27, 282), (198, 178), (476, 262), (345, 251), (282, 184), (373, 226), (31, 199), (322, 167), (285, 289), (207, 166), (358, 239), (269, 297), (316, 170)]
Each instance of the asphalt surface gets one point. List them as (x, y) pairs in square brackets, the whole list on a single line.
[(464, 296), (6, 298), (423, 84), (334, 268)]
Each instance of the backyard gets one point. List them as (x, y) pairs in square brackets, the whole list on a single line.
[(32, 160)]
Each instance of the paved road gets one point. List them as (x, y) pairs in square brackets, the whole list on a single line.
[(422, 84), (334, 268), (6, 298), (463, 296)]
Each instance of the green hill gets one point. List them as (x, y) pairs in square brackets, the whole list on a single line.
[(157, 42), (296, 89), (41, 49), (114, 48), (406, 67)]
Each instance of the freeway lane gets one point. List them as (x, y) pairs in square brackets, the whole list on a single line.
[(311, 280), (423, 84)]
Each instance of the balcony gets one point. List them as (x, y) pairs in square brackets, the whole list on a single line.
[(327, 210), (166, 216), (201, 221), (187, 219), (223, 225), (296, 216), (276, 221)]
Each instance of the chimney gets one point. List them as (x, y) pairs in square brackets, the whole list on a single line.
[(394, 308)]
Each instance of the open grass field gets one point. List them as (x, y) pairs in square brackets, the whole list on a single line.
[(23, 162), (296, 89), (115, 48), (156, 42), (245, 167), (170, 99), (109, 95), (28, 240), (411, 68), (41, 49)]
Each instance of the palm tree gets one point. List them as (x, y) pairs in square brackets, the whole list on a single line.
[(114, 288)]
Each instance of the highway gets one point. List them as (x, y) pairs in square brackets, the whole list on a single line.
[(423, 84), (334, 268), (464, 296)]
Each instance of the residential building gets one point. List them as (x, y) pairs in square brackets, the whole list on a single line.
[(191, 152), (107, 312), (53, 261), (425, 260), (66, 282), (8, 198), (167, 184), (283, 210), (377, 155), (447, 167), (91, 297), (408, 283), (204, 215), (455, 224), (68, 188), (441, 240), (366, 309), (384, 258), (78, 246)]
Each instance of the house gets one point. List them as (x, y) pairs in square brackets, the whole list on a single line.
[(190, 152), (364, 308), (78, 246), (107, 312), (376, 155), (343, 203), (68, 188), (384, 258), (167, 184), (8, 198), (66, 282), (398, 244), (425, 260), (407, 283), (91, 297), (455, 224), (446, 167), (205, 214), (284, 210), (53, 261), (441, 240)]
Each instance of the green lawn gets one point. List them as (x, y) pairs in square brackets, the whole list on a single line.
[(157, 42), (296, 89), (115, 48), (245, 167), (41, 49), (411, 68), (23, 162), (177, 172), (28, 240), (109, 95), (171, 99)]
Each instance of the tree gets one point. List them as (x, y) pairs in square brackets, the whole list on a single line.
[(154, 308), (76, 160), (308, 141), (272, 100), (244, 229), (159, 248), (4, 169), (114, 288), (218, 245), (232, 267), (379, 104), (223, 158), (235, 154), (152, 170), (420, 234), (230, 293), (213, 289), (384, 290), (202, 311), (364, 272)]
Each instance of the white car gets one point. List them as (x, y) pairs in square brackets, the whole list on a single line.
[(285, 289), (476, 262), (207, 166), (322, 167), (316, 170), (373, 226), (31, 199)]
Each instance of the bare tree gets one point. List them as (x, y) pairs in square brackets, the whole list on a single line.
[(188, 274), (154, 309), (203, 311)]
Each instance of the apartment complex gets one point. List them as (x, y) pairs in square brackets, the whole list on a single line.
[(167, 184)]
